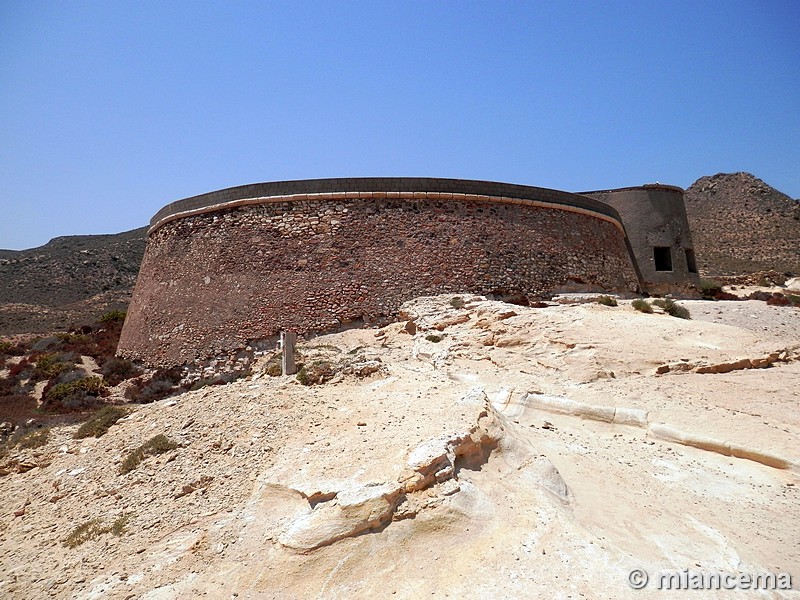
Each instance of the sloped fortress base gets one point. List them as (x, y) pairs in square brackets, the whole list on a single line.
[(243, 264)]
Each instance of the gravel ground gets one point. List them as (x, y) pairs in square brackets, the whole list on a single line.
[(779, 321)]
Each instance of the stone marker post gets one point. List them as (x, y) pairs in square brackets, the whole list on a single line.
[(288, 339)]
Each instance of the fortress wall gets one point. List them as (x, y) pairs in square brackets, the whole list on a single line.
[(213, 280)]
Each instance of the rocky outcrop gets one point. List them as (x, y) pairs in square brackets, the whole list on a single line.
[(432, 466)]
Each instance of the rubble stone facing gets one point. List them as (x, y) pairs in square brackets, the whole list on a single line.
[(214, 281)]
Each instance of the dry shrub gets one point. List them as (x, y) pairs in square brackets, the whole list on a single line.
[(316, 372), (607, 301), (33, 439), (117, 370), (671, 308), (100, 422), (154, 446), (78, 394), (93, 529)]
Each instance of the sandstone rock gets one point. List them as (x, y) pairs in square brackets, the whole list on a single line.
[(727, 367), (349, 513)]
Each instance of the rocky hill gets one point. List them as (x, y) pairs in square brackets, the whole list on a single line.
[(69, 280), (742, 225)]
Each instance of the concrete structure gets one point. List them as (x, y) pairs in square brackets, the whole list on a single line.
[(224, 269), (658, 230)]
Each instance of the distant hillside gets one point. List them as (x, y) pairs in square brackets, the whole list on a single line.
[(67, 280), (742, 225)]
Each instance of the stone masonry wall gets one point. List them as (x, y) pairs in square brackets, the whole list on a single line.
[(213, 282)]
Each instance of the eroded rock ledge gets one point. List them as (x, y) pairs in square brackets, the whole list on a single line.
[(431, 474)]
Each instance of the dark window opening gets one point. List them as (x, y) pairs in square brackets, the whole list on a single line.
[(691, 262), (663, 258)]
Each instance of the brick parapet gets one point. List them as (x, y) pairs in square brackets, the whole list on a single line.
[(389, 185)]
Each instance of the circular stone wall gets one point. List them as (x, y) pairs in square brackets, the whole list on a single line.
[(226, 268)]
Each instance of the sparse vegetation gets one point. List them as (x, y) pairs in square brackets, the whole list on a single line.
[(607, 301), (73, 394), (163, 383), (94, 529), (329, 347), (113, 315), (642, 306), (117, 370), (34, 439), (316, 372), (100, 422), (52, 365), (709, 288), (73, 338), (274, 367), (432, 337), (204, 382), (671, 308), (152, 447), (219, 379), (11, 349), (457, 302)]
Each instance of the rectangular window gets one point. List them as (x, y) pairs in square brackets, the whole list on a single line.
[(691, 262), (662, 256)]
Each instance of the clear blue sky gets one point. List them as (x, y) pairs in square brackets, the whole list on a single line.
[(109, 110)]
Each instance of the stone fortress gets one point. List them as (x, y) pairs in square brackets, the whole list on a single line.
[(228, 268)]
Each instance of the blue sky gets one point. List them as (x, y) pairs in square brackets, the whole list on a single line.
[(109, 110)]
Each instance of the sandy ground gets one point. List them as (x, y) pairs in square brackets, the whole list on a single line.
[(441, 475)]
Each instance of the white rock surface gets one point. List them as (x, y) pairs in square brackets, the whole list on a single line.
[(409, 482)]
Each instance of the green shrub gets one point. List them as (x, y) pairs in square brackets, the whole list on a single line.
[(607, 301), (432, 337), (152, 447), (671, 308), (642, 306), (709, 288), (457, 302), (76, 390), (100, 422), (11, 349), (73, 338), (93, 529), (34, 439), (113, 315), (52, 365)]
